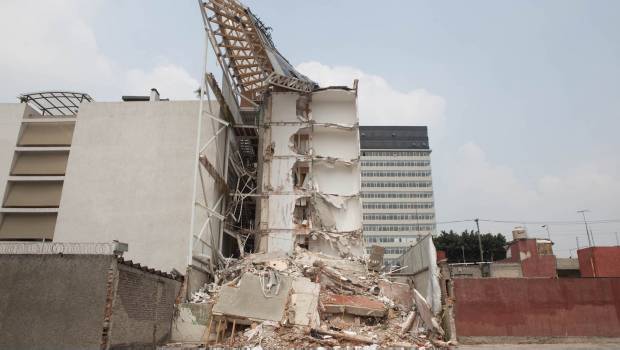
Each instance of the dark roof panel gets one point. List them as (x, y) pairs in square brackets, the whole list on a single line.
[(394, 137)]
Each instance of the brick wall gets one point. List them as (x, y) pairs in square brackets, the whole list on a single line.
[(599, 261), (533, 264), (537, 307), (143, 308)]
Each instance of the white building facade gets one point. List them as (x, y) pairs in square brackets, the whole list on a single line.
[(310, 193), (397, 188)]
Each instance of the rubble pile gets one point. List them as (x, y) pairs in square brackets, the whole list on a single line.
[(307, 299)]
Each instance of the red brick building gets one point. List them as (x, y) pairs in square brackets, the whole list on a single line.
[(599, 261), (535, 256)]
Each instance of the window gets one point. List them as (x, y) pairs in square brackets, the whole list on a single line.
[(397, 205), (396, 153), (397, 194), (395, 163), (399, 227), (392, 239), (398, 216), (396, 173), (397, 184)]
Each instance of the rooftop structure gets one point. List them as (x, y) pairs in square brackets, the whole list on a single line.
[(246, 52), (55, 103), (394, 137)]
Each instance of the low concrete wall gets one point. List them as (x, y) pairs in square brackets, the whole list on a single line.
[(54, 301), (537, 307), (498, 270), (506, 270)]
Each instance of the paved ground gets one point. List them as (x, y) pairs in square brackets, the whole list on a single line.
[(585, 346)]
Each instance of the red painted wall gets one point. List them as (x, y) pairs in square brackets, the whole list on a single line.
[(599, 261), (535, 265), (537, 307)]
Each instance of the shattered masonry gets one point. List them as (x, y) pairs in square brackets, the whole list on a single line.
[(311, 174), (308, 283)]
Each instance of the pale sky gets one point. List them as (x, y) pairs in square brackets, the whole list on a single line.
[(522, 98)]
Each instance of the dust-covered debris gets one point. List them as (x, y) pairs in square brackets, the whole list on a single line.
[(307, 299)]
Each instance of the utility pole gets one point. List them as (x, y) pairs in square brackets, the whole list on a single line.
[(577, 240), (463, 250), (583, 213), (479, 241), (617, 242)]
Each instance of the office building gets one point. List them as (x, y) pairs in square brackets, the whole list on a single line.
[(397, 187)]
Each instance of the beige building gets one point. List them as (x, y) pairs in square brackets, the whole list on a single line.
[(106, 171)]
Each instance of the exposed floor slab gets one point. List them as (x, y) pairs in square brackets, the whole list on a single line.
[(247, 301), (354, 305)]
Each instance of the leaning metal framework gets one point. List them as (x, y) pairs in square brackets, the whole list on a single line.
[(251, 66), (55, 103), (245, 52)]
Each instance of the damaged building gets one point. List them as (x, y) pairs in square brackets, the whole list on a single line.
[(310, 173), (240, 212)]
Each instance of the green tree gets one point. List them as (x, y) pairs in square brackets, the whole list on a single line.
[(455, 244)]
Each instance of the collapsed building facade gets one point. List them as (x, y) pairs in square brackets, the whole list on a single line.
[(306, 186), (249, 196)]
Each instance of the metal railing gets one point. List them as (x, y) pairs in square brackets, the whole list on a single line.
[(113, 248)]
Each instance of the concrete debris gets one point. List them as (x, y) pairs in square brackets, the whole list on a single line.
[(343, 244), (354, 305), (307, 299), (375, 262), (203, 295), (256, 298), (399, 293), (426, 313), (303, 310)]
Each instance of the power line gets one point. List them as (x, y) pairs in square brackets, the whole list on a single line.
[(453, 222), (526, 222)]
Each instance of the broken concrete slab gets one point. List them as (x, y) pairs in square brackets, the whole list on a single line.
[(190, 322), (375, 262), (346, 265), (400, 293), (426, 312), (353, 304), (303, 310), (277, 260), (247, 302)]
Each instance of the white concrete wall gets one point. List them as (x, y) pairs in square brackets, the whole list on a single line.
[(10, 122), (334, 106), (335, 143), (336, 178), (333, 133), (130, 178)]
